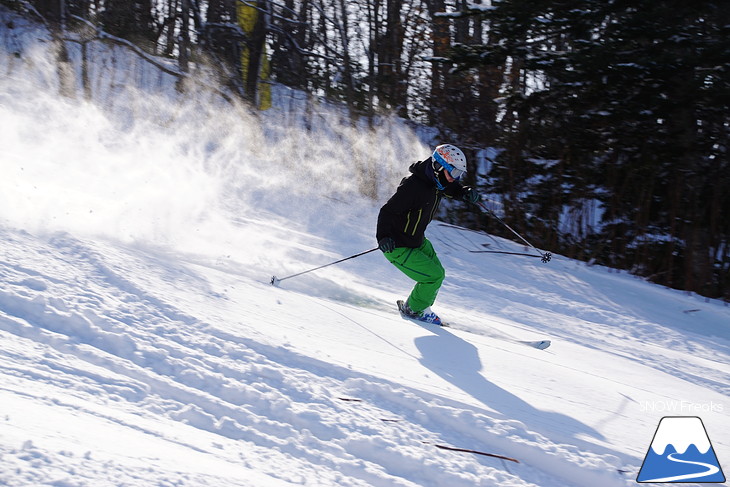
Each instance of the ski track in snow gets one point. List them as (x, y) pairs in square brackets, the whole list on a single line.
[(81, 334), (93, 331)]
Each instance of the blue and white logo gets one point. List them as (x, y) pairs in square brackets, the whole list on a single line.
[(681, 452)]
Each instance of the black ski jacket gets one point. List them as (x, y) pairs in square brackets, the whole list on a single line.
[(405, 216)]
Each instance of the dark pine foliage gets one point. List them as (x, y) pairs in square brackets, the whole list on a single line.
[(616, 137)]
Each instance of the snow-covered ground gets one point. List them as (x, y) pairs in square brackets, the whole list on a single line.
[(141, 343)]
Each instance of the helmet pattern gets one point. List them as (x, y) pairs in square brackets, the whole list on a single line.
[(450, 154)]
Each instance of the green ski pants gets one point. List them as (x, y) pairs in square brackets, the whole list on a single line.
[(423, 266)]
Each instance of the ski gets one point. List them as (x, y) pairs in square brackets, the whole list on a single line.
[(537, 344)]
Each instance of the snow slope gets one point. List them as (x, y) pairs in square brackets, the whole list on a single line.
[(141, 343)]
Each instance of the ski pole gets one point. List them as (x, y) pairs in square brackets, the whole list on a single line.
[(502, 252), (546, 256), (275, 280)]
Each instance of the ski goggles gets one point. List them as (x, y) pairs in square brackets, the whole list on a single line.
[(455, 173)]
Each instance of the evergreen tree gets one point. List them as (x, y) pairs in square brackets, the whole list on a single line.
[(624, 105), (131, 20)]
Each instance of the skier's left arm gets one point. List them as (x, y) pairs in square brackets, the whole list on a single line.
[(465, 193)]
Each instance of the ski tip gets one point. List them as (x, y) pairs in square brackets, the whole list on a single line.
[(274, 281), (538, 344)]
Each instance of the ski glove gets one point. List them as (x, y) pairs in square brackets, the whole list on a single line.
[(472, 196), (386, 244)]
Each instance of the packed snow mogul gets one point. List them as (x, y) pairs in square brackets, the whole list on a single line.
[(402, 223)]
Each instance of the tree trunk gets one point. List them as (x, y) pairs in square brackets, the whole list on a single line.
[(255, 47), (440, 43)]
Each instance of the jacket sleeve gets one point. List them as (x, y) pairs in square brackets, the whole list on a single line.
[(455, 190)]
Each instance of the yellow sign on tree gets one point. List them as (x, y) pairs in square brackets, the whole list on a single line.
[(247, 15)]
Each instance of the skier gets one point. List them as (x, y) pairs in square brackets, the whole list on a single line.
[(403, 219)]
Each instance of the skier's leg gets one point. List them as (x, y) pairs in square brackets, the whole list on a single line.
[(426, 289), (423, 266)]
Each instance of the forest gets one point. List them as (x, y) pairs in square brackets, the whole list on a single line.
[(607, 121)]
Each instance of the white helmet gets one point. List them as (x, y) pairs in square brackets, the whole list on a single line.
[(451, 158)]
